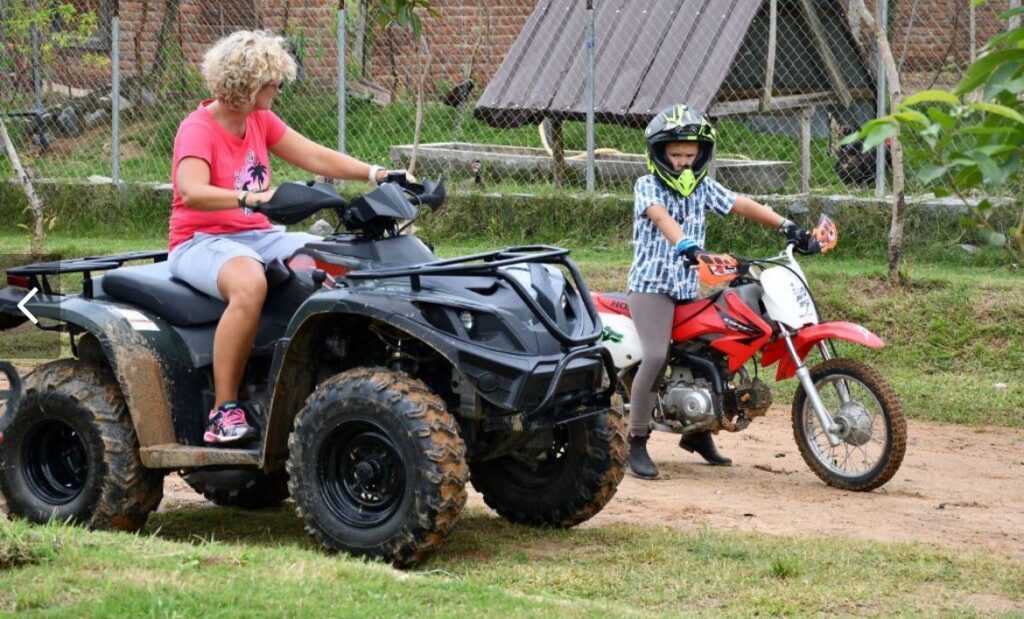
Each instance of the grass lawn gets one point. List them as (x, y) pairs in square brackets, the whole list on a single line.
[(955, 336), (263, 564)]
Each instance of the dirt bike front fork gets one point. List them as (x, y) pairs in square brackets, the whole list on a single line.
[(830, 427)]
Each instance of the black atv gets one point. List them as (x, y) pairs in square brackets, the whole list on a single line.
[(383, 378)]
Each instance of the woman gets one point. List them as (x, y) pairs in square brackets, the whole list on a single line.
[(220, 169)]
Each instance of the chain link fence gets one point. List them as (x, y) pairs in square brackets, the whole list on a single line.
[(494, 96)]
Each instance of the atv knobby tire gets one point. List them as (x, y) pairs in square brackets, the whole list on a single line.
[(243, 488), (71, 454), (564, 485), (376, 466)]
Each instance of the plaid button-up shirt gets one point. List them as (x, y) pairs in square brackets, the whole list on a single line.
[(656, 269)]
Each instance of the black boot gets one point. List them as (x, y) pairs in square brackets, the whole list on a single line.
[(640, 463), (703, 444)]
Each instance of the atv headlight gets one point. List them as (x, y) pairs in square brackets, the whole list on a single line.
[(467, 320)]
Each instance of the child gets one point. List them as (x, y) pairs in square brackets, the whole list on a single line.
[(668, 234)]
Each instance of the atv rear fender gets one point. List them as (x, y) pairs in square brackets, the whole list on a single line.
[(126, 340)]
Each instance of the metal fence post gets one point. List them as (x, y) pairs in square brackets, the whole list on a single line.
[(342, 85), (1015, 20), (590, 85), (37, 68), (882, 15), (115, 97)]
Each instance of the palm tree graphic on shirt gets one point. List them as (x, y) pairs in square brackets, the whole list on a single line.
[(254, 171)]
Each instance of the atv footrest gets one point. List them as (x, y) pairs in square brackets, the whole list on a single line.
[(175, 456)]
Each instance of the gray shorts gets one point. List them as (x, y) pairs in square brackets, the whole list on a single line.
[(198, 260)]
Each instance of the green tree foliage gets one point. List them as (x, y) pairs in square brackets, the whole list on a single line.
[(403, 13), (971, 137), (58, 25)]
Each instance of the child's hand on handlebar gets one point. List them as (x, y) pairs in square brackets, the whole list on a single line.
[(802, 240), (688, 250)]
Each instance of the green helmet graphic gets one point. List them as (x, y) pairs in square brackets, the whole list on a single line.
[(679, 123)]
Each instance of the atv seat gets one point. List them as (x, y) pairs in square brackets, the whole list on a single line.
[(152, 287)]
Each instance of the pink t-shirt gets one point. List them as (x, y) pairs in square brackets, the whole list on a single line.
[(235, 163)]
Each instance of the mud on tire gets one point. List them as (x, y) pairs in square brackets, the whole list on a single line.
[(70, 452), (243, 488), (376, 466), (892, 414), (563, 485)]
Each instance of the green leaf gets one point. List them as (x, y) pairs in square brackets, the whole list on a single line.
[(983, 67), (1000, 78), (850, 139), (912, 116), (995, 150), (995, 108), (936, 96), (929, 172), (878, 134), (941, 118)]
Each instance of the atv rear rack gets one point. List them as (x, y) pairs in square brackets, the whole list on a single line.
[(36, 275)]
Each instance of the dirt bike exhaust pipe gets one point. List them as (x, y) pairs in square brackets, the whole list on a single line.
[(804, 376)]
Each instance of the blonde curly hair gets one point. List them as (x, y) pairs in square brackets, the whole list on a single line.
[(237, 66)]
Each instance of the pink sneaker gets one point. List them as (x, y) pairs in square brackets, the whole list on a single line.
[(228, 425)]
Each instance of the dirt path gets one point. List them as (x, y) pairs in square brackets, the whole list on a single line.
[(958, 487)]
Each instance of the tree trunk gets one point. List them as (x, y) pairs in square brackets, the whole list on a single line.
[(35, 205), (899, 204), (156, 72), (419, 105)]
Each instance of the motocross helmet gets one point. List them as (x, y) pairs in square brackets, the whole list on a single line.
[(680, 123)]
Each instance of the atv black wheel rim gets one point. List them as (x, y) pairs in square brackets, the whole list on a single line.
[(539, 469), (362, 475), (56, 465)]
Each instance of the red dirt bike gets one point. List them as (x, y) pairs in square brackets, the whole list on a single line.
[(847, 420)]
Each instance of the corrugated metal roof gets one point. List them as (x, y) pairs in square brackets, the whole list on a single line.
[(651, 53)]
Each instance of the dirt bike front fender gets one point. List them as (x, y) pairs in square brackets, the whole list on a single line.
[(808, 337)]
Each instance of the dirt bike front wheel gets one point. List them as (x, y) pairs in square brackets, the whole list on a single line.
[(872, 429)]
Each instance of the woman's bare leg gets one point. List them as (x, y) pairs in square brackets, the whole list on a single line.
[(243, 285)]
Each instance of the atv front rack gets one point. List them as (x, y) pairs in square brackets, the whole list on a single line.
[(36, 275), (490, 263)]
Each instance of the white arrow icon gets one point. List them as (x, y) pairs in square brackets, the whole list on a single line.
[(21, 306)]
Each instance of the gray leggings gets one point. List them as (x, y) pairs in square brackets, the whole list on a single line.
[(652, 315)]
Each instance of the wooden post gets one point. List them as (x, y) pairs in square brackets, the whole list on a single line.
[(34, 203), (1015, 20), (557, 153), (769, 70), (899, 204), (806, 114), (821, 43)]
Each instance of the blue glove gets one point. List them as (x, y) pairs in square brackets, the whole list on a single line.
[(688, 250)]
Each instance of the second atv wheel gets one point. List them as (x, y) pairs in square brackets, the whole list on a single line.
[(70, 452), (244, 488), (567, 481), (376, 466)]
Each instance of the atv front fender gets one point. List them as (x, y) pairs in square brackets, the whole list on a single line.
[(509, 381), (808, 337)]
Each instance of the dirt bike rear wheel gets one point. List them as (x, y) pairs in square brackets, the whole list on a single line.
[(874, 431)]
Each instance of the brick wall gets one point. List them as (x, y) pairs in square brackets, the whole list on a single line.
[(481, 29), (391, 57)]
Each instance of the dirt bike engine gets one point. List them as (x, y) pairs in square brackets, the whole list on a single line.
[(687, 399)]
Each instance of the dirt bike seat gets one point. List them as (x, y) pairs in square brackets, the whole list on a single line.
[(152, 287)]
